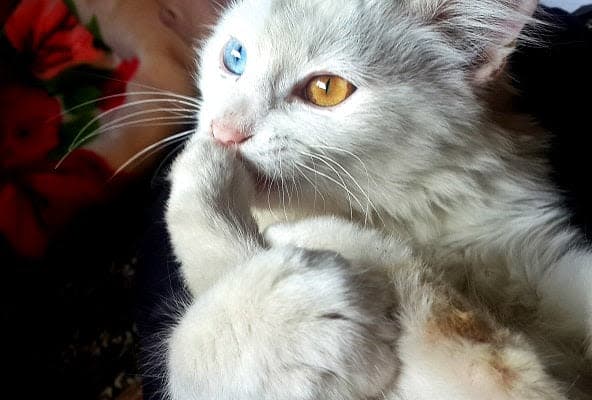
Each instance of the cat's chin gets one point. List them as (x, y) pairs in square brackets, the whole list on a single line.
[(263, 182)]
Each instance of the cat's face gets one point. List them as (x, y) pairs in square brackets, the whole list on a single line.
[(320, 96)]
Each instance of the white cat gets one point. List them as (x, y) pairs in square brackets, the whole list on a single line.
[(381, 111), (326, 309)]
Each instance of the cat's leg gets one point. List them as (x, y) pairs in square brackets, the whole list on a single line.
[(359, 245), (291, 324), (445, 349), (448, 349), (451, 351), (208, 217), (301, 324), (266, 324)]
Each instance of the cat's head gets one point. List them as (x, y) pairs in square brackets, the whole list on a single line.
[(359, 94)]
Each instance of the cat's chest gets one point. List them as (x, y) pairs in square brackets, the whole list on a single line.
[(462, 253), (487, 278)]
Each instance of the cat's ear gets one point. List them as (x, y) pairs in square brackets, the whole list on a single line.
[(484, 30)]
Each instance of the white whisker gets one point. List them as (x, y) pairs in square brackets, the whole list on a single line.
[(171, 95), (116, 109), (130, 83), (350, 194), (369, 179), (152, 148), (365, 209), (163, 163), (273, 179), (283, 189), (117, 123), (146, 122), (295, 184), (343, 185), (314, 186)]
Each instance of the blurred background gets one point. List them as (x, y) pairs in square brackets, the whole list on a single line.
[(95, 99), (91, 98)]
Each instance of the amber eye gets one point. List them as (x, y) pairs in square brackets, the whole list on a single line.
[(328, 90)]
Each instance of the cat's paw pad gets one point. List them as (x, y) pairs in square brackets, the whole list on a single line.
[(292, 324)]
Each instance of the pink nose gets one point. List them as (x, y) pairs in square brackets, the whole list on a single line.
[(228, 135)]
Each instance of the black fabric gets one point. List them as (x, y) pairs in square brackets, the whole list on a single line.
[(555, 85), (67, 329), (555, 82), (160, 287)]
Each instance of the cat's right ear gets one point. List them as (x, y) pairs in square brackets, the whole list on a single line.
[(484, 30)]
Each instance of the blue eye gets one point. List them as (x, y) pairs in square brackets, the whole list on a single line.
[(235, 57)]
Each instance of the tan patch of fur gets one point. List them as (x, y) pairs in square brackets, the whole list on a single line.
[(464, 324), (454, 320), (506, 375)]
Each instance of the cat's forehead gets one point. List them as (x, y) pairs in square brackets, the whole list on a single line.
[(326, 32), (272, 20), (367, 42)]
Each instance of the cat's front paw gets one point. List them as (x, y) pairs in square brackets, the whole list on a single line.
[(291, 324), (210, 173)]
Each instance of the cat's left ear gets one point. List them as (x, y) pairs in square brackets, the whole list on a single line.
[(484, 30)]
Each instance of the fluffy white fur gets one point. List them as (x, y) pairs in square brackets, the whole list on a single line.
[(324, 308), (415, 151)]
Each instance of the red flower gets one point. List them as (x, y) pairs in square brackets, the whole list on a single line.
[(29, 124), (117, 84), (36, 203), (50, 36), (77, 183), (35, 197)]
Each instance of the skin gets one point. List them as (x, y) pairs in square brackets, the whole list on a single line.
[(189, 19), (161, 33)]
